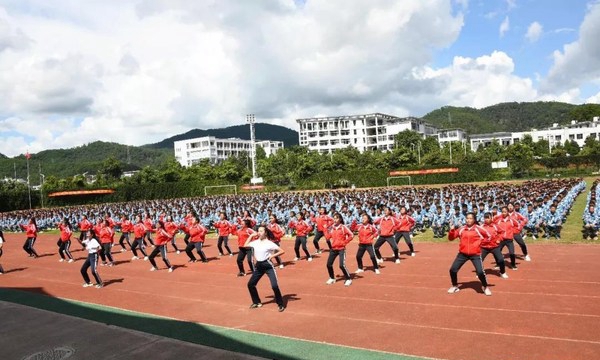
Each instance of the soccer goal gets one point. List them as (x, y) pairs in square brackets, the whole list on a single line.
[(391, 178), (223, 189)]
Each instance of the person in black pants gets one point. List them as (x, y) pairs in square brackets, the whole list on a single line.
[(1, 244), (162, 238), (197, 234), (264, 250), (387, 223), (367, 232), (244, 252), (92, 246)]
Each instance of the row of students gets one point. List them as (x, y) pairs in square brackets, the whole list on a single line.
[(476, 242)]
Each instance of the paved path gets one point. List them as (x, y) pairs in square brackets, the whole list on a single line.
[(32, 334)]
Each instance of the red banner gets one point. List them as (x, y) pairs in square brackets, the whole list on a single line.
[(252, 187), (82, 192), (423, 172)]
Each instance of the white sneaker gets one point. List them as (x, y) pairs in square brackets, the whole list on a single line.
[(145, 258), (220, 254), (504, 276), (487, 291), (170, 269), (533, 237), (380, 261), (496, 267), (527, 258), (310, 258), (296, 259), (153, 269), (231, 254), (178, 252), (330, 281), (359, 271), (281, 266), (123, 250), (348, 283), (413, 254), (135, 258), (71, 260), (87, 285), (453, 290), (397, 261), (61, 260), (377, 271)]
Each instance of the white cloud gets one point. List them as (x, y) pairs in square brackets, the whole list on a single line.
[(534, 31), (137, 73), (478, 82), (511, 4), (504, 26), (579, 62)]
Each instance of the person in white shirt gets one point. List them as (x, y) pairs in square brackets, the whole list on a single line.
[(1, 244), (92, 246), (264, 250)]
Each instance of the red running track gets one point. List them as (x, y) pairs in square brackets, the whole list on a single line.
[(548, 309)]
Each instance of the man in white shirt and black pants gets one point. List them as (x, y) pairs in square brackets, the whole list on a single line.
[(264, 250), (92, 246)]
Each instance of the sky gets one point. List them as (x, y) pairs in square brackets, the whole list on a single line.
[(136, 72)]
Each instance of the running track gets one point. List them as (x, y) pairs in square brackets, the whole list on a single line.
[(548, 309)]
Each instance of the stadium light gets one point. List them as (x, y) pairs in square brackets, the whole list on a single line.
[(251, 120)]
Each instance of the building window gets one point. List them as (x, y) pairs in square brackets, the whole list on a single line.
[(579, 136), (557, 137), (572, 136)]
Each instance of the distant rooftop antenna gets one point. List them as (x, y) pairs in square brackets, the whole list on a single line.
[(251, 120)]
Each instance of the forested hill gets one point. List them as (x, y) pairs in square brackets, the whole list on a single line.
[(510, 116), (2, 156), (263, 132), (78, 160)]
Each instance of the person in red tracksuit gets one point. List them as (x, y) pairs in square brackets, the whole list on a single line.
[(508, 226), (126, 229), (84, 226), (162, 238), (323, 222), (367, 232), (31, 233), (65, 240), (522, 221), (404, 228), (387, 223), (242, 235), (149, 229), (340, 236), (197, 236), (223, 226), (471, 236), (302, 229), (278, 233), (139, 231), (106, 235), (492, 245), (172, 229)]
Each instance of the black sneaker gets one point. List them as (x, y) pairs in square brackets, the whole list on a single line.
[(281, 308), (255, 306), (240, 274)]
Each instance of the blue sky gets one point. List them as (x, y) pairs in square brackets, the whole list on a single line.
[(138, 71)]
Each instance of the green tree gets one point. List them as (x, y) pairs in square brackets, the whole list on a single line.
[(585, 112), (571, 147), (111, 168), (407, 139), (520, 158)]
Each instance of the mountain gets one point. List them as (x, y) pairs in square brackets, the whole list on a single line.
[(78, 160), (510, 116), (263, 132), (2, 156)]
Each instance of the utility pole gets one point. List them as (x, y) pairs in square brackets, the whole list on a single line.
[(450, 143)]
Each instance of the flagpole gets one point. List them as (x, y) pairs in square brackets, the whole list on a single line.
[(28, 184)]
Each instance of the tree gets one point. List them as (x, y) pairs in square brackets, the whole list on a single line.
[(571, 147), (111, 168), (260, 153), (541, 148), (407, 138), (585, 112), (520, 158)]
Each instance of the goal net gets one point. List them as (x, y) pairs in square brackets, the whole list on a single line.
[(398, 181), (220, 190)]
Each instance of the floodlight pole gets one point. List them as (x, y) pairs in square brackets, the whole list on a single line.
[(250, 120)]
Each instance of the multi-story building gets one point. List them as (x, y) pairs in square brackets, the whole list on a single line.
[(192, 151), (451, 135), (555, 135), (364, 132)]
